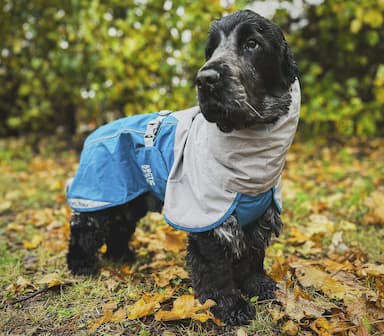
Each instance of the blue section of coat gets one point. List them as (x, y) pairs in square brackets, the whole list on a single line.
[(116, 167)]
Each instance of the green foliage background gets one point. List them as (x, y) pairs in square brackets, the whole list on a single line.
[(65, 64)]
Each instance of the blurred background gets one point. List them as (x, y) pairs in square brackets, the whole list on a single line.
[(69, 66)]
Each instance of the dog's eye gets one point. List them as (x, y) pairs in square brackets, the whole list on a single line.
[(251, 44)]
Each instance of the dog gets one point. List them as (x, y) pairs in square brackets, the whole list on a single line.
[(214, 169)]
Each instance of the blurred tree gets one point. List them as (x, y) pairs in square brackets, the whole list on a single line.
[(82, 62), (339, 46)]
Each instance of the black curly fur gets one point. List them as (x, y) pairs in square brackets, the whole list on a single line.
[(222, 272), (114, 226)]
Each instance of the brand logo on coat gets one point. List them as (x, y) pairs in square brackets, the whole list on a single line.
[(147, 171)]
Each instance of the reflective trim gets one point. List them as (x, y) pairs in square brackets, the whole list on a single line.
[(78, 203)]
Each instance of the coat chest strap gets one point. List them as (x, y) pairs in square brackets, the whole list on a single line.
[(153, 127)]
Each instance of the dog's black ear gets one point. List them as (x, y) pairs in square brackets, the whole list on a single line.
[(288, 65)]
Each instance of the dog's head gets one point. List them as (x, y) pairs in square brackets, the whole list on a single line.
[(248, 71)]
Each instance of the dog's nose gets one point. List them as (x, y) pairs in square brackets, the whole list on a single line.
[(207, 77)]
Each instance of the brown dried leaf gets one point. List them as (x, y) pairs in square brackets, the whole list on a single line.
[(310, 276), (298, 307), (108, 316), (372, 270), (290, 328), (20, 285), (186, 306)]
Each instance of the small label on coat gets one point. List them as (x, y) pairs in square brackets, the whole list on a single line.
[(146, 169)]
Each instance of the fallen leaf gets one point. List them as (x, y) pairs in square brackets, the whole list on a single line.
[(290, 328), (20, 285), (186, 306), (279, 269), (164, 277), (103, 249), (372, 270), (34, 242), (297, 306), (51, 280), (172, 240), (297, 236), (310, 276), (322, 327), (319, 224), (109, 315), (147, 305)]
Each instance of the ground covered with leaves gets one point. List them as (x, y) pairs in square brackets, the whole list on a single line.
[(329, 261)]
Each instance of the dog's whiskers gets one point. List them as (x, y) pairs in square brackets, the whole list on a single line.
[(253, 110)]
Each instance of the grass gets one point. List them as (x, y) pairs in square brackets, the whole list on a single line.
[(331, 181)]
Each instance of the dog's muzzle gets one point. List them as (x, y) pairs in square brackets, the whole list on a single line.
[(207, 79)]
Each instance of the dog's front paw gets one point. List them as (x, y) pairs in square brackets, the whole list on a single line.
[(128, 256), (234, 311), (80, 267), (259, 285)]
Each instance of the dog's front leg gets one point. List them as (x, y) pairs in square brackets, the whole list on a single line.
[(249, 268), (212, 278)]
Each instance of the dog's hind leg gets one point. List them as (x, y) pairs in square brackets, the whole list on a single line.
[(249, 269), (85, 239), (212, 278), (122, 225)]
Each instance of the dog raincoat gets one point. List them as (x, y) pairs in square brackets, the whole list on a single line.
[(200, 173)]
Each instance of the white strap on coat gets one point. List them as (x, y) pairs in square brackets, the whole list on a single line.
[(153, 127)]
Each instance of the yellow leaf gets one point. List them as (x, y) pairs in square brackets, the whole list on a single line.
[(172, 240), (186, 306), (290, 328), (34, 242), (147, 305), (119, 315), (322, 327), (51, 280), (103, 249), (142, 308), (164, 277)]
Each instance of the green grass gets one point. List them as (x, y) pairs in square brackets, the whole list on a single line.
[(36, 182)]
